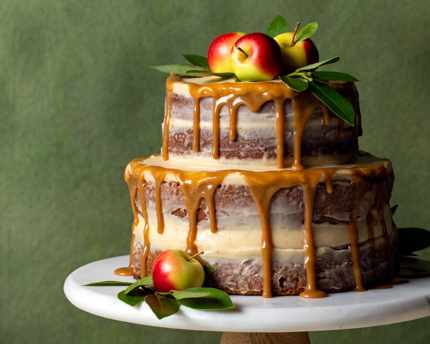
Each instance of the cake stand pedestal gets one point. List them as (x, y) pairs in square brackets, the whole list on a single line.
[(282, 319)]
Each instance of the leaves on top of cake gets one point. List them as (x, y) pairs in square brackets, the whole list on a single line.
[(319, 64), (199, 68), (334, 101), (306, 77), (197, 60), (331, 76), (277, 26), (306, 32), (295, 83)]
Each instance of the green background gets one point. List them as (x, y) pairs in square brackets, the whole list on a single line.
[(78, 102)]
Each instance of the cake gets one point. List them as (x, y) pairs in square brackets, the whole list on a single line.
[(270, 184)]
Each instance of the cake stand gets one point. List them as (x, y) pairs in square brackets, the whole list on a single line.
[(282, 319)]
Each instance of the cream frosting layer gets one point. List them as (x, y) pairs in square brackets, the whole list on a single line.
[(243, 242)]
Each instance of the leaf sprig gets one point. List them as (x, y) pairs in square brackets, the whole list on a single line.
[(304, 78), (166, 304), (300, 80)]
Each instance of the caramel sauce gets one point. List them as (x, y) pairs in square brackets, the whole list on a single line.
[(262, 185)]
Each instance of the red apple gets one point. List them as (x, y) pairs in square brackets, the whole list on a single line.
[(219, 52), (296, 55), (174, 270), (256, 57)]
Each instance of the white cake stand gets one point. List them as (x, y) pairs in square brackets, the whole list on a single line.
[(255, 319)]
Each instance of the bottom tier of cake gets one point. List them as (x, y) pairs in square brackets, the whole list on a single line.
[(275, 232)]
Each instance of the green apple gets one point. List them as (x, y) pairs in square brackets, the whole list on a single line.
[(176, 270), (296, 54)]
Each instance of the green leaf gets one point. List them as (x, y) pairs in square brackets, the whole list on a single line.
[(107, 284), (216, 299), (277, 26), (162, 307), (318, 64), (333, 76), (393, 209), (334, 101), (208, 270), (140, 283), (412, 240), (306, 32), (296, 84), (197, 60), (208, 73), (133, 298), (180, 69), (186, 294)]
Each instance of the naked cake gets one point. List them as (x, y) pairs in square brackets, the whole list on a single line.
[(270, 183)]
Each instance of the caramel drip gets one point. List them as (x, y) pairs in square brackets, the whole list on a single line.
[(233, 124), (262, 185), (329, 181), (302, 107), (262, 199), (195, 186), (196, 125), (146, 243), (253, 95), (326, 116), (159, 178), (311, 290), (216, 131)]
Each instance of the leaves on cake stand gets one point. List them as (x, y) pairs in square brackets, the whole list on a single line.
[(166, 304)]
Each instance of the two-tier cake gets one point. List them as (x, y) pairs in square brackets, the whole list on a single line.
[(270, 184)]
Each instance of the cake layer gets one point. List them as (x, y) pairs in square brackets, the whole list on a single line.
[(248, 122), (334, 269), (274, 217)]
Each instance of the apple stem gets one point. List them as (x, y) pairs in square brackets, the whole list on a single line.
[(242, 51), (197, 254), (294, 34)]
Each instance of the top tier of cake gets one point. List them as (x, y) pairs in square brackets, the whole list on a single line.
[(220, 121)]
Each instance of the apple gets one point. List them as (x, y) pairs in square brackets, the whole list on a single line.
[(296, 55), (174, 270), (256, 57), (219, 52)]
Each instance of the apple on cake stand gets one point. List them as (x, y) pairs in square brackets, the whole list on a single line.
[(255, 319)]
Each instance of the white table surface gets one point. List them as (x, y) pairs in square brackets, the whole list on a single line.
[(254, 313)]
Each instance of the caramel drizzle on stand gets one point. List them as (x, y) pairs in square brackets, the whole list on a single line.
[(262, 185)]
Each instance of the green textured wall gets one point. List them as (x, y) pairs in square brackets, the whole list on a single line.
[(78, 102)]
